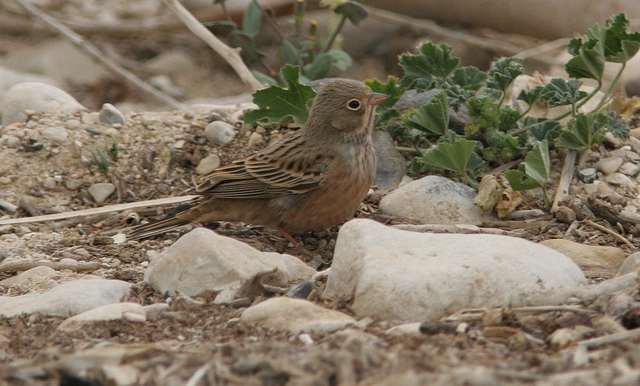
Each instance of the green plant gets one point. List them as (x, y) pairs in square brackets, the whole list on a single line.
[(102, 156), (314, 54)]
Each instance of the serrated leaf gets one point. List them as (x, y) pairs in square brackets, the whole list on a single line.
[(252, 19), (468, 78), (453, 156), (391, 88), (535, 173), (432, 118), (583, 131), (619, 128), (536, 94), (589, 63), (542, 129), (353, 11), (503, 72), (428, 69), (563, 92), (278, 105)]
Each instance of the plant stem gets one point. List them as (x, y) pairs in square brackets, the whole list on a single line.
[(404, 149), (271, 22), (335, 33), (470, 180), (227, 15), (613, 84)]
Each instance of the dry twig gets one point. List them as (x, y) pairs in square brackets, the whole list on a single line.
[(96, 54), (565, 179), (76, 266), (610, 231)]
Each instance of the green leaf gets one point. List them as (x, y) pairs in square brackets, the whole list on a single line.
[(319, 68), (264, 79), (536, 169), (252, 20), (432, 118), (503, 72), (618, 127), (353, 11), (541, 128), (620, 44), (278, 105), (428, 69), (339, 59), (289, 52), (390, 88), (468, 78), (563, 92), (454, 156), (536, 94), (240, 39), (588, 63), (583, 131), (221, 28)]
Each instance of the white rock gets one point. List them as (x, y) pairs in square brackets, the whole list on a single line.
[(407, 329), (66, 299), (609, 165), (39, 97), (294, 316), (629, 169), (9, 78), (49, 183), (107, 312), (434, 200), (41, 274), (13, 142), (219, 132), (619, 179), (208, 164), (202, 261), (110, 115), (254, 139), (415, 277), (587, 256), (630, 264), (54, 134), (101, 191)]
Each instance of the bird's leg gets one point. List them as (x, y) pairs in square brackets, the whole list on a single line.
[(293, 241)]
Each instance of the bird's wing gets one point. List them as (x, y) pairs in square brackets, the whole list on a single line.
[(287, 167)]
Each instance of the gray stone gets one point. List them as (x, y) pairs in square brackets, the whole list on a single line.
[(208, 164), (73, 184), (39, 97), (203, 261), (54, 134), (219, 132), (301, 291), (70, 298), (629, 169), (294, 316), (391, 164), (609, 165), (588, 175), (435, 200), (101, 191), (49, 183), (414, 277), (110, 115), (107, 312)]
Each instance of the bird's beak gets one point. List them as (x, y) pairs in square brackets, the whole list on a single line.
[(375, 98)]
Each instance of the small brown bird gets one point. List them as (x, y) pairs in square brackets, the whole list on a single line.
[(312, 179)]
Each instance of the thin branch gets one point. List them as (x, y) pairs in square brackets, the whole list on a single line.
[(105, 61), (611, 232), (607, 339), (232, 56), (546, 47), (94, 211)]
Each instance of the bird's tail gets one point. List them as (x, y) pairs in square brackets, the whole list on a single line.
[(172, 221)]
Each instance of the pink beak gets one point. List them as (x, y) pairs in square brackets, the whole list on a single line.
[(375, 98)]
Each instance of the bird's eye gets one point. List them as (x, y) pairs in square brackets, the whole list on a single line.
[(353, 104)]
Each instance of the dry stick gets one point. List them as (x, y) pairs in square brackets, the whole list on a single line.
[(565, 178), (613, 338), (93, 211), (92, 51), (231, 55), (610, 231), (76, 266), (535, 51), (435, 29)]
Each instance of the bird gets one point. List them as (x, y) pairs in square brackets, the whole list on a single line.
[(312, 179)]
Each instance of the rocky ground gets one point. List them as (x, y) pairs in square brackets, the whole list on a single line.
[(80, 305)]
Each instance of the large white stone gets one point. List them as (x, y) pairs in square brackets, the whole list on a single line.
[(66, 299), (434, 200), (39, 97), (416, 277), (107, 312), (294, 316), (203, 261)]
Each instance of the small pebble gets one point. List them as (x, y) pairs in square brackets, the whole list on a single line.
[(208, 164), (90, 118), (72, 124), (49, 183), (55, 134), (5, 180), (609, 165), (565, 214), (588, 175), (73, 184), (629, 168), (13, 142), (254, 139), (301, 290), (219, 132), (110, 115), (101, 191)]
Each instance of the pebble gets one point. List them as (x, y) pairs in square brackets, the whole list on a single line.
[(399, 275), (629, 169), (13, 142), (434, 200), (107, 312), (630, 265), (588, 175), (295, 316), (39, 97), (49, 183), (73, 184), (203, 261), (101, 191), (208, 164), (219, 132), (4, 180), (55, 134), (254, 139), (90, 118), (301, 291), (391, 167), (110, 115), (609, 165), (619, 179), (587, 256), (72, 124)]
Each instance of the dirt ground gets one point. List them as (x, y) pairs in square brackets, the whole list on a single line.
[(202, 342)]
